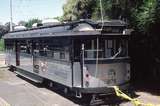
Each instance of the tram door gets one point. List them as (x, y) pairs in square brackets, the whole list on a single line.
[(17, 50), (77, 66)]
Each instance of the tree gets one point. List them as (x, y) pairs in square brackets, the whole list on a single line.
[(3, 30), (90, 9), (22, 23), (78, 9), (144, 16), (59, 18), (31, 22), (107, 5), (7, 25)]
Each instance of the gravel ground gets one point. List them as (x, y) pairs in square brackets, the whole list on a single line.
[(21, 92)]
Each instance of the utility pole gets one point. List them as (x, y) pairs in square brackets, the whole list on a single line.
[(11, 19)]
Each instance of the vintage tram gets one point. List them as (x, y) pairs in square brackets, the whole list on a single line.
[(84, 56)]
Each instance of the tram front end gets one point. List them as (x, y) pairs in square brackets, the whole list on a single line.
[(105, 64)]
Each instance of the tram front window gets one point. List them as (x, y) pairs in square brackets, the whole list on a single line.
[(112, 48)]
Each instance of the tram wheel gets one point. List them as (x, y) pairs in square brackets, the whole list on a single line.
[(12, 69), (46, 83), (66, 91), (86, 99)]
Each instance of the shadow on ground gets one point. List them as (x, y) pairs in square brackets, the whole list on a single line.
[(111, 100), (152, 87), (149, 87)]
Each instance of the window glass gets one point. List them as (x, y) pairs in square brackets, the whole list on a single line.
[(109, 44), (108, 48), (62, 55), (53, 48), (25, 46), (9, 45), (91, 49)]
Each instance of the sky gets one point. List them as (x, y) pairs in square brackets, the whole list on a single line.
[(24, 10)]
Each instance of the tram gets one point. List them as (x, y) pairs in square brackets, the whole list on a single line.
[(84, 56)]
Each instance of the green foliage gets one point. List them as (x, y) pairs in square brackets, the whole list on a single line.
[(1, 45), (144, 16), (78, 9), (96, 15), (3, 30), (141, 14), (23, 23), (31, 22), (59, 18), (68, 10)]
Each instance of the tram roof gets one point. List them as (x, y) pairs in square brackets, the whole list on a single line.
[(67, 29)]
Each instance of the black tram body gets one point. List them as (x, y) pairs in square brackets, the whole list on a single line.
[(80, 55)]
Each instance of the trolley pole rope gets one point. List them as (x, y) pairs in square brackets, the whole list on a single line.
[(136, 102), (3, 102), (97, 57)]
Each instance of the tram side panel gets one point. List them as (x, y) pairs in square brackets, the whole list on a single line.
[(77, 75), (10, 52), (57, 71), (10, 58), (49, 68), (106, 75), (54, 70), (13, 58), (26, 62)]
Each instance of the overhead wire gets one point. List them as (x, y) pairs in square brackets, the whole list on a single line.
[(102, 16)]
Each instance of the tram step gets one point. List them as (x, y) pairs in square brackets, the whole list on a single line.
[(29, 76)]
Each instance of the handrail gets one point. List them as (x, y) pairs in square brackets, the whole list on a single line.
[(127, 57)]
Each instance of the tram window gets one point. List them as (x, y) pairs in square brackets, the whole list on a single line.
[(116, 30), (90, 49), (9, 45), (62, 55), (52, 48), (118, 49), (77, 49), (25, 47), (50, 53), (109, 44), (56, 55), (108, 48), (122, 49), (43, 51)]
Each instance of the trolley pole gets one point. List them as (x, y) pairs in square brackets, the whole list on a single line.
[(11, 19)]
